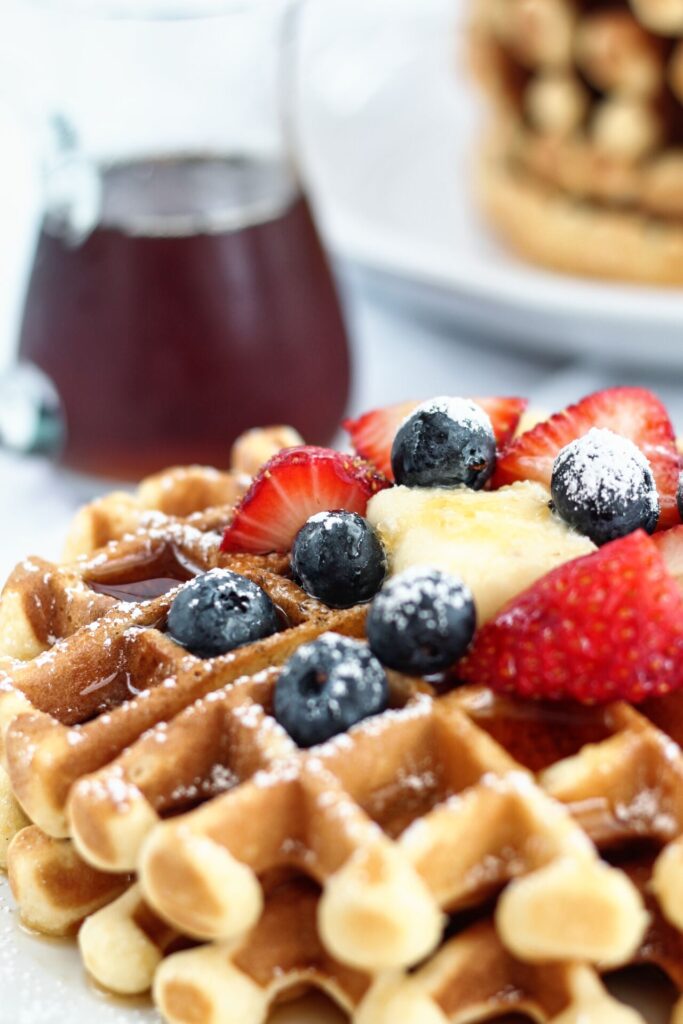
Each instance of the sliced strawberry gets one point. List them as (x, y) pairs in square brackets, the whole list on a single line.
[(632, 412), (293, 485), (608, 626), (373, 433), (670, 546), (505, 414)]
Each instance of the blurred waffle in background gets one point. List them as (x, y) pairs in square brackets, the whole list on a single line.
[(583, 166)]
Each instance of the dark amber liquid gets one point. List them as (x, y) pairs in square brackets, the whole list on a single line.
[(203, 304), (142, 579)]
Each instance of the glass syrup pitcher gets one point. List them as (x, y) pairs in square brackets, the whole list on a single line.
[(180, 292)]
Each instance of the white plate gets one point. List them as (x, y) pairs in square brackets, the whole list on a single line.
[(389, 142)]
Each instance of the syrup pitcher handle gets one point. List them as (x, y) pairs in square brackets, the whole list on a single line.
[(31, 416), (32, 420)]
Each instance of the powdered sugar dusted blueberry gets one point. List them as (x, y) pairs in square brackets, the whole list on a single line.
[(445, 442), (422, 621), (338, 558), (219, 611), (326, 687), (603, 485)]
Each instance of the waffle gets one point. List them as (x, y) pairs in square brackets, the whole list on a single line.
[(429, 779), (620, 776), (548, 226), (84, 677), (135, 536), (12, 818), (472, 976), (51, 614), (436, 753), (588, 132), (621, 757), (54, 888), (213, 860)]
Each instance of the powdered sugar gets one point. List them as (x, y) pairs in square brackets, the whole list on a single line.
[(604, 469), (219, 780), (460, 410), (646, 814), (338, 646), (423, 594), (327, 518)]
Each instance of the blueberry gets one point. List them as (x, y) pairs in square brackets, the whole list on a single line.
[(218, 611), (603, 486), (326, 687), (443, 443), (338, 558), (422, 621), (679, 495)]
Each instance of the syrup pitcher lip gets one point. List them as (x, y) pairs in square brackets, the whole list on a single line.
[(32, 420)]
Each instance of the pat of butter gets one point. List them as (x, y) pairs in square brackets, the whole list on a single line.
[(498, 542)]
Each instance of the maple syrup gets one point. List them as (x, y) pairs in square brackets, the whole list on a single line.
[(200, 305), (139, 590), (142, 579)]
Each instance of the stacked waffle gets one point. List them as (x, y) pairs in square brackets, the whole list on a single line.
[(584, 167), (459, 856)]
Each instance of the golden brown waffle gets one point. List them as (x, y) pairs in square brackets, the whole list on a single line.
[(216, 743), (471, 977), (124, 944), (620, 776), (12, 818), (54, 889), (622, 786), (549, 226), (412, 813), (80, 667), (585, 171), (428, 752), (213, 745), (174, 515), (76, 707), (318, 867)]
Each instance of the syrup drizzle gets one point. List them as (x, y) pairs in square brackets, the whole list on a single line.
[(139, 590), (144, 578)]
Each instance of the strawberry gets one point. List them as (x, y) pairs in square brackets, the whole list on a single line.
[(372, 434), (608, 626), (292, 486), (505, 414), (632, 412), (670, 546)]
